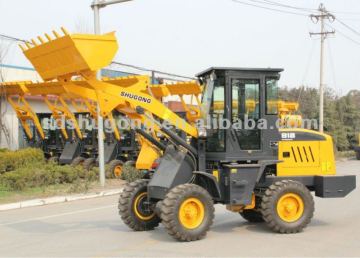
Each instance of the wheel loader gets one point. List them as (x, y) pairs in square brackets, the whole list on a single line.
[(261, 172), (76, 146)]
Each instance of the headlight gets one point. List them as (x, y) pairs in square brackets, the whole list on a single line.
[(202, 132)]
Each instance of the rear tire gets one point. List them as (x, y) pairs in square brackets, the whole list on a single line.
[(252, 216), (77, 161), (132, 209), (187, 212), (287, 206), (115, 168), (89, 163)]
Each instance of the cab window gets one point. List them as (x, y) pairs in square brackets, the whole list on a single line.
[(272, 92)]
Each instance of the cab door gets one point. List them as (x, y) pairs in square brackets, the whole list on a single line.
[(245, 113), (253, 134)]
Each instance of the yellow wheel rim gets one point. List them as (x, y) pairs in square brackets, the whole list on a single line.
[(118, 171), (191, 213), (290, 207), (137, 207)]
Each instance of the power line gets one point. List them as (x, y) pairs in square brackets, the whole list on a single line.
[(151, 70), (13, 38), (268, 2), (262, 4), (268, 8), (348, 27), (331, 59), (344, 35), (349, 13), (307, 68)]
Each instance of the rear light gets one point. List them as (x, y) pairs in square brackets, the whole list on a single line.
[(155, 165)]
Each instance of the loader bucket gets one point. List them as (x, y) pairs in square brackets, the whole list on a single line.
[(67, 55)]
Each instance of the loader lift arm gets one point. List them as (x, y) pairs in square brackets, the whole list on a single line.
[(25, 113)]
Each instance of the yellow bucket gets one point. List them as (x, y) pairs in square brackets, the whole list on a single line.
[(69, 55)]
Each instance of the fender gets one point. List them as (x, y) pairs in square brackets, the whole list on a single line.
[(214, 182)]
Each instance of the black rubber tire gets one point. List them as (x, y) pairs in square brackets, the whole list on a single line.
[(252, 216), (54, 159), (89, 163), (126, 204), (170, 206), (112, 165), (77, 161), (269, 204), (130, 163)]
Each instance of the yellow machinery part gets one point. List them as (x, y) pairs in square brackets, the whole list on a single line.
[(81, 55), (290, 207), (25, 113), (60, 109), (302, 158), (291, 121), (191, 213), (137, 203), (239, 208), (145, 161), (147, 155), (70, 54)]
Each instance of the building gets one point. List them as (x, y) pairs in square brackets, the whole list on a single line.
[(11, 133)]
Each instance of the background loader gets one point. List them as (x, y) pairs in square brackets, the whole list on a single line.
[(265, 174)]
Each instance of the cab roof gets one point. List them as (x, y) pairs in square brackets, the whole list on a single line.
[(240, 69)]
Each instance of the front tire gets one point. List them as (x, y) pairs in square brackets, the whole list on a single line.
[(116, 168), (187, 212), (133, 209), (287, 206), (77, 161), (89, 163)]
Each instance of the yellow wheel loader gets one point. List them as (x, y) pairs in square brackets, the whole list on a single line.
[(258, 171)]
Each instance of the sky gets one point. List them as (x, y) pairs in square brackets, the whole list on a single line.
[(188, 36)]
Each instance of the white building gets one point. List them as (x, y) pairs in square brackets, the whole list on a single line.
[(11, 133)]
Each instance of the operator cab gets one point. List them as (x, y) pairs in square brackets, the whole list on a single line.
[(241, 101), (240, 105)]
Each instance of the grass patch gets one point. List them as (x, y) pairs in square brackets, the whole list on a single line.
[(12, 160), (131, 174), (43, 174), (345, 154), (26, 173)]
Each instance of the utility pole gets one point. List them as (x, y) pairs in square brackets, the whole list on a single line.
[(96, 5), (323, 14)]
